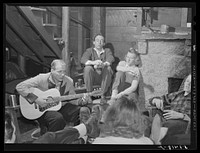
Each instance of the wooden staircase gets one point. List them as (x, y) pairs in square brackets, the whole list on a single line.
[(30, 34), (34, 33)]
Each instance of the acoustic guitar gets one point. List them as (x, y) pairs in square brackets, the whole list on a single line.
[(52, 96)]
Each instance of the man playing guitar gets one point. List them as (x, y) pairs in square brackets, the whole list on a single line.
[(69, 112)]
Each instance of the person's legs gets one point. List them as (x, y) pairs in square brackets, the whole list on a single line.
[(117, 84), (107, 73), (52, 121), (119, 79), (97, 79), (89, 78), (65, 136), (92, 123), (70, 113), (70, 134), (84, 114), (148, 123), (174, 127), (177, 139)]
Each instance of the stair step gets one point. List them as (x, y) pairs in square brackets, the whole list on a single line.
[(57, 39), (50, 28), (38, 9), (82, 89), (49, 25), (38, 12)]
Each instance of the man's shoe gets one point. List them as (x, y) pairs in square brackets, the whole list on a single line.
[(36, 134), (92, 123), (78, 141), (84, 114)]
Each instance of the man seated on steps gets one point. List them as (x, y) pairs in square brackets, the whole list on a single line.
[(174, 111), (56, 78), (97, 62)]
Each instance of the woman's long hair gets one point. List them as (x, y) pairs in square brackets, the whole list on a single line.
[(123, 119)]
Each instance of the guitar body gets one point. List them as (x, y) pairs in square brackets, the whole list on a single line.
[(31, 112)]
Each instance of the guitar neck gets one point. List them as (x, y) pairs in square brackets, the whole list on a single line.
[(70, 97), (75, 96)]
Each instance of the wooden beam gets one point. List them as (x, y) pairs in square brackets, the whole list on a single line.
[(80, 36), (22, 61), (184, 13), (65, 36), (96, 20), (139, 20), (103, 21)]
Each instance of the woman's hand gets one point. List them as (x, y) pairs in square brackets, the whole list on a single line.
[(170, 114), (118, 95)]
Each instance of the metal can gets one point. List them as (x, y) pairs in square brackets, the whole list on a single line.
[(13, 101), (80, 82), (76, 84), (164, 29)]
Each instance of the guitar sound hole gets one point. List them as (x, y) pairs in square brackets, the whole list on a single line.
[(41, 109), (48, 106)]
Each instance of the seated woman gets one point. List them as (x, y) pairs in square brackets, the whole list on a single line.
[(123, 124), (127, 77), (174, 110)]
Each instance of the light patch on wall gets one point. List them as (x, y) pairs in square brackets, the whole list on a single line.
[(142, 47)]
